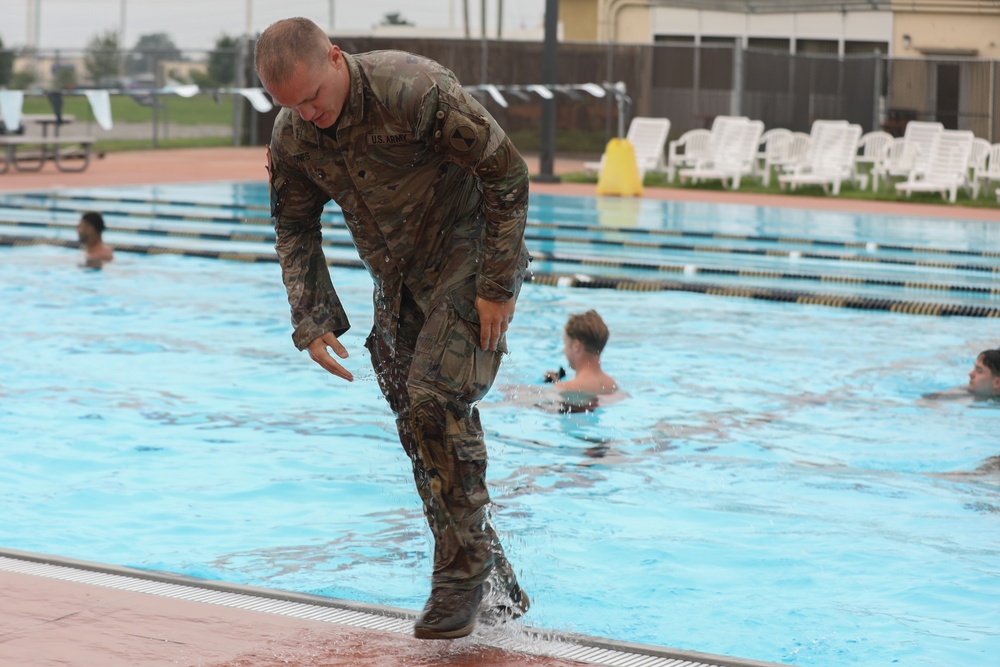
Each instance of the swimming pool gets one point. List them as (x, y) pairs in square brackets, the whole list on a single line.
[(774, 488)]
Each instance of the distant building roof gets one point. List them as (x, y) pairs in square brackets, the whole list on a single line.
[(787, 6)]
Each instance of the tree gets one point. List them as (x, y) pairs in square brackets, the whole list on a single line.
[(6, 65), (149, 50), (222, 60), (64, 76), (102, 58), (394, 18)]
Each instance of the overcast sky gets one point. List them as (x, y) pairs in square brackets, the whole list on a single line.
[(195, 24)]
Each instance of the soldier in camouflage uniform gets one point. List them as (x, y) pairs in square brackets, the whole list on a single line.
[(435, 197)]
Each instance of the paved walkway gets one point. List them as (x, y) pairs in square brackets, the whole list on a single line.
[(51, 623)]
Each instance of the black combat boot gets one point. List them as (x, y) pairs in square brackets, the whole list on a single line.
[(449, 613)]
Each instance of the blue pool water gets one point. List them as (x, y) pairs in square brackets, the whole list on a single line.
[(775, 487)]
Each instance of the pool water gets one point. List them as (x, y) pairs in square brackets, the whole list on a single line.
[(775, 487)]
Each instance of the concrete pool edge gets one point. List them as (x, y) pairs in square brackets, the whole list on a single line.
[(529, 641)]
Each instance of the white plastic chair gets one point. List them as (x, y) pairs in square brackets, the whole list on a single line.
[(988, 172), (790, 153), (732, 154), (830, 160), (871, 146), (686, 151), (946, 168), (648, 137), (908, 153), (772, 144), (977, 164)]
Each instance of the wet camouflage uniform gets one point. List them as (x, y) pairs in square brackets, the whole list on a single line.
[(435, 197)]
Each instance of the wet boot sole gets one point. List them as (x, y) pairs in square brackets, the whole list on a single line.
[(428, 633)]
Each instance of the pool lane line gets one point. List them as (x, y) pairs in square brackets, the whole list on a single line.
[(604, 282), (761, 252), (764, 294), (263, 236), (691, 269), (755, 252), (785, 240), (687, 269), (141, 200)]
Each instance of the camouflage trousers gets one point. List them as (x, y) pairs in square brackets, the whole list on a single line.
[(432, 380)]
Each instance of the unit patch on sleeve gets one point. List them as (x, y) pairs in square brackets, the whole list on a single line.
[(463, 138)]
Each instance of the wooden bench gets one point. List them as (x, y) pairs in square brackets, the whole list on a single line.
[(29, 153)]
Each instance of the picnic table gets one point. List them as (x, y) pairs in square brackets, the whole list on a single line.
[(30, 151)]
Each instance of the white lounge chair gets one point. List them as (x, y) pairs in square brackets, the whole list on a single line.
[(871, 146), (789, 154), (687, 150), (830, 160), (772, 145), (946, 168), (648, 137), (977, 164), (732, 153), (906, 154), (989, 172)]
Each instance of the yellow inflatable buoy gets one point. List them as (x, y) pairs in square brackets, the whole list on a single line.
[(620, 174)]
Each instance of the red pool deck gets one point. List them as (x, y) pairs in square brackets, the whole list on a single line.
[(48, 622), (45, 623)]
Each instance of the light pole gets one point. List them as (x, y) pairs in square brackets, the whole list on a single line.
[(550, 48)]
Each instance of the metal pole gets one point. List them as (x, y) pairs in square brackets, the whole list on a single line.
[(993, 100), (484, 50), (550, 50), (330, 12), (736, 106), (465, 16), (499, 19), (38, 38), (877, 97)]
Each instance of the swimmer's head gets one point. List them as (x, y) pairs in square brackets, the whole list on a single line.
[(589, 329), (91, 226), (984, 378)]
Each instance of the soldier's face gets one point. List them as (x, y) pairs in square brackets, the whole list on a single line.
[(316, 92)]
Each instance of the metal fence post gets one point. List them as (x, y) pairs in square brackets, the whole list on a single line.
[(877, 97), (736, 102), (993, 100), (550, 50)]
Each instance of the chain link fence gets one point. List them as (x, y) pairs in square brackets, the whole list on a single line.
[(687, 83)]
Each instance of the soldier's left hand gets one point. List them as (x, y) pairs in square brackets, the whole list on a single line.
[(494, 317)]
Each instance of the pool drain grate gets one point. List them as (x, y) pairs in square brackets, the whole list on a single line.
[(589, 650)]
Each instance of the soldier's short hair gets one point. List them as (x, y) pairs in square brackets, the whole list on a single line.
[(991, 359), (589, 329), (286, 43), (95, 220)]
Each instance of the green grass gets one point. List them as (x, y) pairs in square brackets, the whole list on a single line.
[(197, 110)]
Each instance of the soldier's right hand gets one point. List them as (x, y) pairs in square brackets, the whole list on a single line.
[(319, 353)]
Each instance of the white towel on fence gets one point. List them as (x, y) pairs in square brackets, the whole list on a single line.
[(11, 103), (100, 104), (257, 99), (183, 90)]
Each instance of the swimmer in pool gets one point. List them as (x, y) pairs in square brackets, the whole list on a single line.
[(89, 230), (984, 378), (584, 338), (984, 381)]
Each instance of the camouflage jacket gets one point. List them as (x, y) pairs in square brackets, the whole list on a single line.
[(433, 192)]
